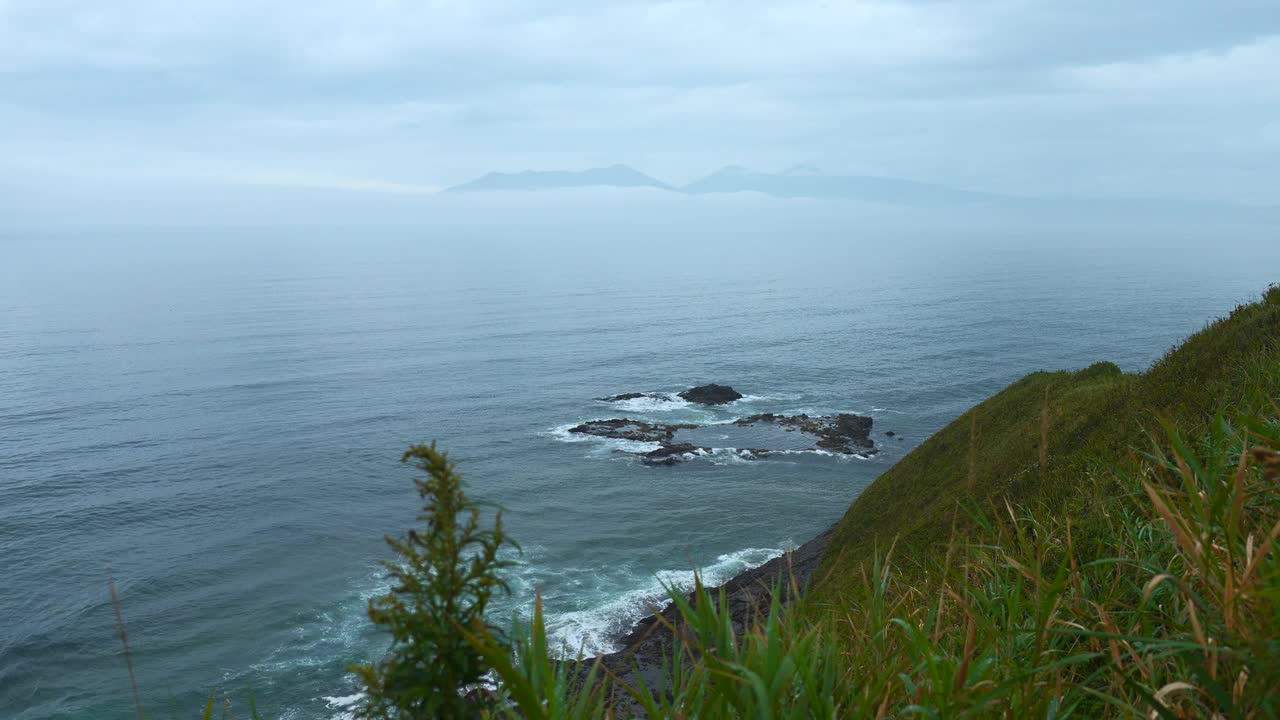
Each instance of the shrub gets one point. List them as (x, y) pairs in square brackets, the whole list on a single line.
[(442, 585)]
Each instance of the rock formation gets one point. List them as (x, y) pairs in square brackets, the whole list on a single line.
[(711, 394)]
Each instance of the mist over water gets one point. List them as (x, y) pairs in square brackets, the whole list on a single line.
[(213, 417)]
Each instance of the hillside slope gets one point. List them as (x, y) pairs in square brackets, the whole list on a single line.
[(1092, 420)]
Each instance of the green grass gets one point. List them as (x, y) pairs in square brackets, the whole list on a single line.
[(1097, 419)]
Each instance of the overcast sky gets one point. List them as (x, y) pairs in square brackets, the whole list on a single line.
[(1175, 98)]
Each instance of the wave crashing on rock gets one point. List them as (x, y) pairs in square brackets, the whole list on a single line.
[(751, 437)]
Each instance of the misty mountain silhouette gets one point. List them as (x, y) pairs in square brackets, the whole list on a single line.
[(797, 182), (612, 176), (808, 181)]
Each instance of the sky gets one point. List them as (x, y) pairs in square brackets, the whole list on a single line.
[(1150, 98)]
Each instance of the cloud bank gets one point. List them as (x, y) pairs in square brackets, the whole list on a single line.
[(1165, 98)]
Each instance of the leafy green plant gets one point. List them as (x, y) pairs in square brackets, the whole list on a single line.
[(442, 584), (535, 686)]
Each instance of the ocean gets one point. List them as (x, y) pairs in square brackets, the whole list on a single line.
[(213, 417)]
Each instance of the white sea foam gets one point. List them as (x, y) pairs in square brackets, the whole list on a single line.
[(814, 411), (344, 704), (808, 451), (602, 444), (594, 630), (667, 402), (630, 446), (654, 403), (730, 456), (561, 433), (825, 453)]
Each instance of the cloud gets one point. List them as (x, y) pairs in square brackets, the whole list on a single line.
[(286, 179), (1026, 95), (343, 38), (1246, 72)]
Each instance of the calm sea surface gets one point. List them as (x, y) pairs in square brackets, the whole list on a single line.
[(214, 418)]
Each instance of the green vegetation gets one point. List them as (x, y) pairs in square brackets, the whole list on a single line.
[(1179, 619), (450, 571), (1082, 544), (1061, 442)]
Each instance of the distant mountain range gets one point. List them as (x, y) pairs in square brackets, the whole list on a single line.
[(807, 181), (804, 181), (797, 182), (612, 176)]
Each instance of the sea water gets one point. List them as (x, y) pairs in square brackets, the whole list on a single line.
[(213, 418)]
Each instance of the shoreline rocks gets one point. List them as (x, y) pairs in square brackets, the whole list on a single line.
[(626, 396), (648, 644), (841, 433), (672, 454), (845, 433), (627, 429), (712, 394)]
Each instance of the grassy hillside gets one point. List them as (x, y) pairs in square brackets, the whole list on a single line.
[(1088, 424)]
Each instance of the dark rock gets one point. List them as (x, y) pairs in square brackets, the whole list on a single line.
[(679, 452), (749, 594), (843, 433), (711, 394), (671, 454), (623, 396), (853, 426), (627, 429), (666, 461), (889, 433)]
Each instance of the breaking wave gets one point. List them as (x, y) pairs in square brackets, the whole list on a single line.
[(594, 630)]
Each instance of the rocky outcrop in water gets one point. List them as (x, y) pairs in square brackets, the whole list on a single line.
[(672, 454), (679, 452), (844, 433), (711, 394), (626, 429), (629, 396)]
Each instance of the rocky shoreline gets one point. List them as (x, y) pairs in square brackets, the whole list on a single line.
[(749, 595)]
